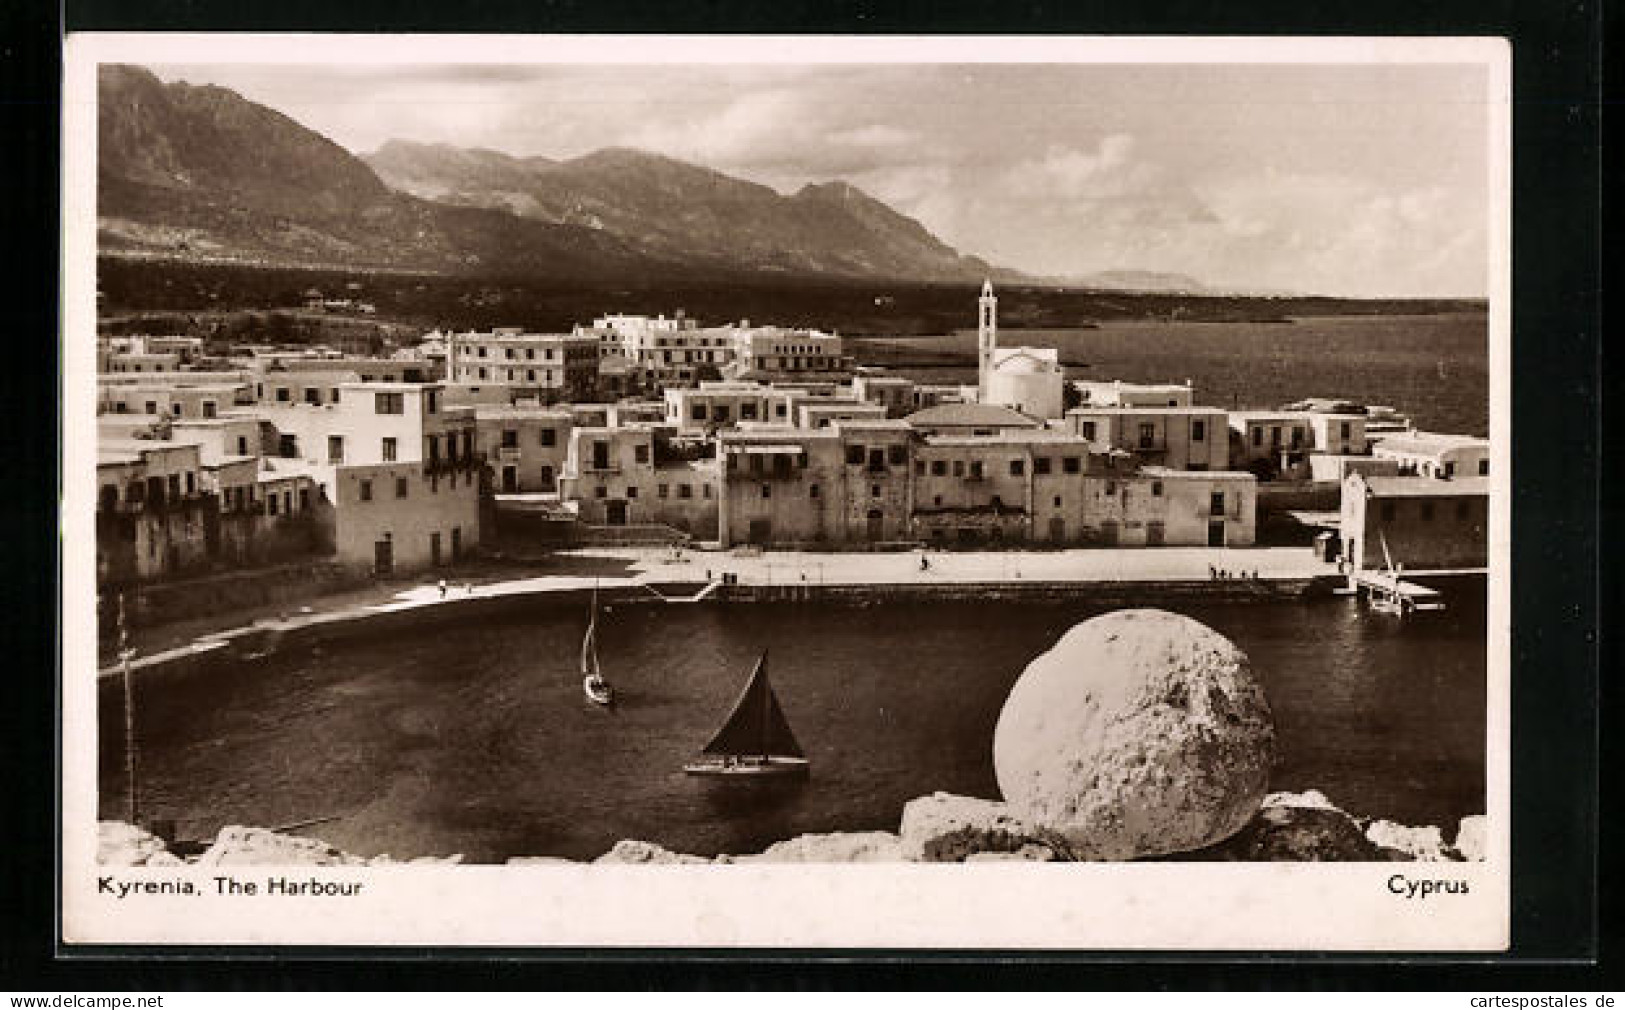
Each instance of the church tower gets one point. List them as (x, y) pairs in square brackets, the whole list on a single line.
[(987, 338)]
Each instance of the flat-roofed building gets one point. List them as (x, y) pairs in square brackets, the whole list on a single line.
[(1180, 438), (181, 395), (719, 406), (525, 447), (894, 392), (1272, 444), (1430, 454), (782, 486), (1116, 393), (633, 475), (1419, 523), (773, 353), (545, 367)]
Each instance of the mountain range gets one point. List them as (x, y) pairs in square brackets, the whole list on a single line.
[(201, 173)]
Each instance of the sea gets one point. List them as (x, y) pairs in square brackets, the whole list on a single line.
[(1434, 368), (473, 737)]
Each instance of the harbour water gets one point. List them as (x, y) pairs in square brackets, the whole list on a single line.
[(474, 738)]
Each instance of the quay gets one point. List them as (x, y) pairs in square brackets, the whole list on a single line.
[(1123, 576)]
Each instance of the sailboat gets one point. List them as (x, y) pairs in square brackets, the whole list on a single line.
[(755, 742), (593, 684)]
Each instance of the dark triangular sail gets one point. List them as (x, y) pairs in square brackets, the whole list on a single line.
[(757, 725)]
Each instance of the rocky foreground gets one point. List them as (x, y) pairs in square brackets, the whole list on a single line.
[(940, 828)]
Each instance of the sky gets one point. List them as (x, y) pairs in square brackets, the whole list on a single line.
[(1357, 180)]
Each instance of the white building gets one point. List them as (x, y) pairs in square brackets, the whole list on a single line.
[(1028, 379)]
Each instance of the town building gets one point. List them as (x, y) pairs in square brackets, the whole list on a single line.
[(772, 353), (1117, 393), (897, 394), (1418, 523), (188, 395), (1272, 444), (525, 447), (544, 367), (399, 466), (634, 475), (1179, 438), (1027, 379), (1429, 454)]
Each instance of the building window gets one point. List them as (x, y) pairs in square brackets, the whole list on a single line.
[(640, 453), (1018, 467), (335, 395), (366, 490), (600, 492), (510, 438), (1156, 489), (1198, 431), (919, 468), (1258, 436), (550, 437), (1148, 436), (270, 504), (767, 490), (282, 394), (208, 408), (1041, 464), (663, 490), (1057, 501), (530, 375), (812, 491), (897, 455), (400, 487), (1216, 503), (854, 455), (697, 412), (1070, 464), (389, 403), (335, 448), (1345, 428), (389, 448), (1483, 468), (1275, 435), (874, 490), (706, 488), (632, 492), (939, 467), (1087, 430), (685, 490)]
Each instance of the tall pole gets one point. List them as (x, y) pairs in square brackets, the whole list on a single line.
[(132, 809)]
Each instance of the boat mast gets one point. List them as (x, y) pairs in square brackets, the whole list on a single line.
[(132, 809), (767, 704)]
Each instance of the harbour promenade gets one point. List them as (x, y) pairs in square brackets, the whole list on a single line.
[(613, 570)]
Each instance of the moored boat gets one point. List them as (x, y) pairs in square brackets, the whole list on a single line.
[(593, 685)]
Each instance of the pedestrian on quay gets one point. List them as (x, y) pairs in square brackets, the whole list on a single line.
[(442, 589)]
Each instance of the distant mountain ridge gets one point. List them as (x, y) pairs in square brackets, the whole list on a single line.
[(674, 208), (201, 173)]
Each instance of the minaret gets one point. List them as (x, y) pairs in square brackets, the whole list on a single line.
[(987, 338)]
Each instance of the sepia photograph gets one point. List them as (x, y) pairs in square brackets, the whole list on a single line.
[(756, 492)]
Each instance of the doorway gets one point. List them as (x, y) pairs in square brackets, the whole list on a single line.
[(761, 532), (434, 549), (877, 525), (510, 479), (1215, 533), (615, 512), (1155, 534), (383, 556), (1057, 530)]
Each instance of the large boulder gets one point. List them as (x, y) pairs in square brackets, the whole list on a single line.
[(1423, 844), (1141, 733), (239, 846), (1471, 843), (122, 844), (629, 850), (839, 847), (944, 828), (1296, 827)]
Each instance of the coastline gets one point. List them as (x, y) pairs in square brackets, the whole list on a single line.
[(1113, 577)]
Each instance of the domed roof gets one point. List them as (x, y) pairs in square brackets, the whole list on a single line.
[(1022, 364)]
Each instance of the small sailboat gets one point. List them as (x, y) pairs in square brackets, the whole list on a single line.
[(593, 684), (755, 742)]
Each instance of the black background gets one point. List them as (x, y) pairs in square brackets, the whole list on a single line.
[(1563, 497)]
